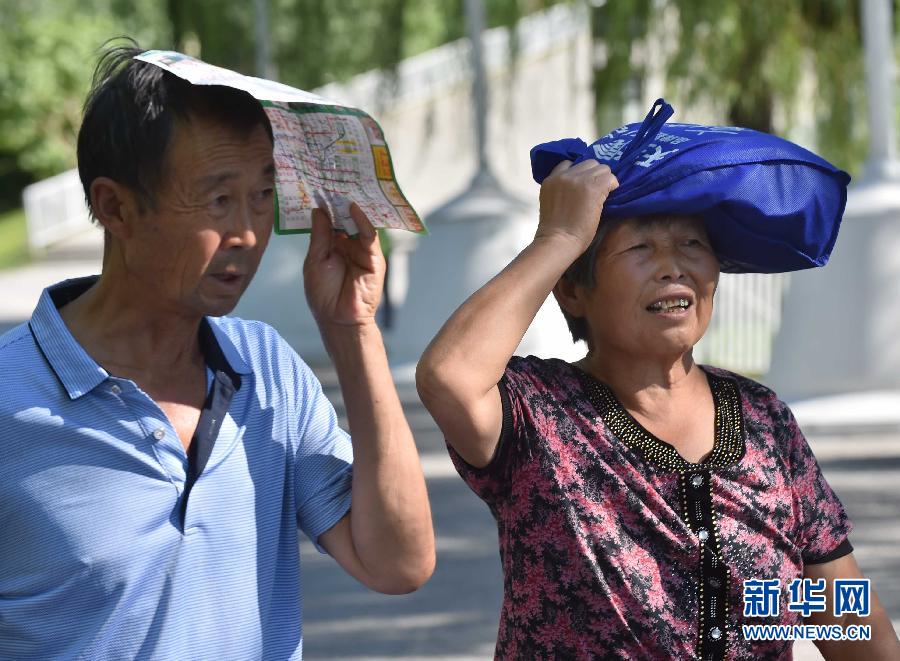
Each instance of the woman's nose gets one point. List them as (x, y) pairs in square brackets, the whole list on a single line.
[(669, 265)]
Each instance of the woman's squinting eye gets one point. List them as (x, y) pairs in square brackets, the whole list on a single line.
[(694, 242)]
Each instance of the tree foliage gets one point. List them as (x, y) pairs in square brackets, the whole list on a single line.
[(48, 48), (316, 42), (747, 59), (47, 52)]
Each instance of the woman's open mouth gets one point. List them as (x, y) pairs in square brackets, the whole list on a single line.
[(669, 306)]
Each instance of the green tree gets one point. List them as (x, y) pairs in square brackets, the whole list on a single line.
[(746, 58), (315, 42), (48, 48), (46, 54)]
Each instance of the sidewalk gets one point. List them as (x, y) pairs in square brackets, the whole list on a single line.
[(454, 617), (22, 286)]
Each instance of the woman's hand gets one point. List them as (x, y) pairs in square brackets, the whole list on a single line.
[(572, 198), (457, 375), (343, 276)]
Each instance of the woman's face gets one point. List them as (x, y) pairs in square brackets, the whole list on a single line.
[(654, 285)]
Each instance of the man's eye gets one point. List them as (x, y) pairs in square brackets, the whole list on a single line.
[(263, 196), (638, 246), (220, 200)]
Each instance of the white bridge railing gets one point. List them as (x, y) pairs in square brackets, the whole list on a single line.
[(54, 210), (746, 317)]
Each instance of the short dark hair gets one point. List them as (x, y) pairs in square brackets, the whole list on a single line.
[(131, 110)]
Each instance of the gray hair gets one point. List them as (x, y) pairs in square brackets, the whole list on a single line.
[(581, 272)]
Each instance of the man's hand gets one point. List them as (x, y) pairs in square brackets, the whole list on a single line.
[(572, 198), (343, 276)]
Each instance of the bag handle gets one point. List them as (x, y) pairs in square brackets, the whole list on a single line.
[(650, 128)]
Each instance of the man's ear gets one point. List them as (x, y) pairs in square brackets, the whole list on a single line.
[(114, 205), (570, 297)]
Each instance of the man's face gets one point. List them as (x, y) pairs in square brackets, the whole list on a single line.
[(200, 245)]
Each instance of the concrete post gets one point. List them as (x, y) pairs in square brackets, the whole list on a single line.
[(878, 41), (841, 328), (473, 236), (475, 23)]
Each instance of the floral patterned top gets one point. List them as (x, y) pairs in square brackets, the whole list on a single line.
[(613, 546)]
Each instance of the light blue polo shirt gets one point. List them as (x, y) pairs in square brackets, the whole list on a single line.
[(97, 558)]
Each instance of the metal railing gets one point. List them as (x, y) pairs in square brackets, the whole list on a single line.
[(54, 210), (746, 317)]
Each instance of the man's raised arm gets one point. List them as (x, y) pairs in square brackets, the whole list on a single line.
[(387, 540)]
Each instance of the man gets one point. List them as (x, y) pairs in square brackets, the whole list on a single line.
[(156, 457)]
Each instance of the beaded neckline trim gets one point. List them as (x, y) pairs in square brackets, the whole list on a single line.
[(728, 444)]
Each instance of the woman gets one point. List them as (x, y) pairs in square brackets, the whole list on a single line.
[(634, 491)]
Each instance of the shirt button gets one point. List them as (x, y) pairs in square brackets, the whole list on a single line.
[(703, 534), (159, 434), (697, 480), (715, 633), (115, 390)]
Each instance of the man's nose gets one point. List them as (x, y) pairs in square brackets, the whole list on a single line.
[(242, 233)]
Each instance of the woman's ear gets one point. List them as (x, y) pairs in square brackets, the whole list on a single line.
[(570, 297), (113, 205)]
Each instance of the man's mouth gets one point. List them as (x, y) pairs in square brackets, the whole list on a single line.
[(228, 278), (669, 305)]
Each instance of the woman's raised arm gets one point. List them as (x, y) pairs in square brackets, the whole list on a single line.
[(457, 375)]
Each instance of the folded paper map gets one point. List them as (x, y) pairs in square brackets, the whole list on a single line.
[(327, 154)]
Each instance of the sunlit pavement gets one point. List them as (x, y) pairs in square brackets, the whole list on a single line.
[(21, 287), (454, 617)]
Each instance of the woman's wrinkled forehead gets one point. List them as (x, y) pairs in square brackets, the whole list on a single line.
[(647, 225), (582, 270)]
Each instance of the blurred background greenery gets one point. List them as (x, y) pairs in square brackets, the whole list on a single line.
[(744, 58)]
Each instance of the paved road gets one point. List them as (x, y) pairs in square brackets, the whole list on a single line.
[(455, 615)]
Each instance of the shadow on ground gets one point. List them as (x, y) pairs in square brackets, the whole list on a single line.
[(870, 490), (455, 615)]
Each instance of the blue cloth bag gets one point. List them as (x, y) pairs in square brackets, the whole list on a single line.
[(769, 205)]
